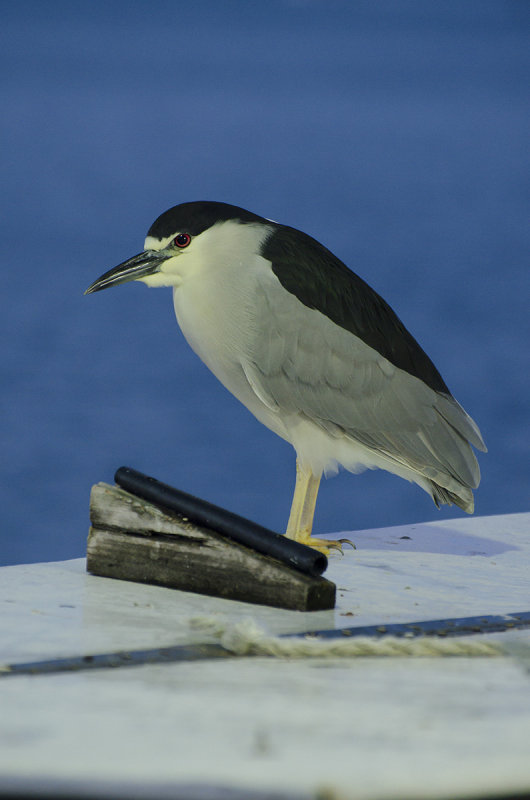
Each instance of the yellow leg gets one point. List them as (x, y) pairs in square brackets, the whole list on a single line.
[(300, 522), (304, 501)]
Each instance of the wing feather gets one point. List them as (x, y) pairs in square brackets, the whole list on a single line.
[(304, 364)]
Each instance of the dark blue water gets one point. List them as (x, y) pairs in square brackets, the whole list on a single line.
[(396, 133)]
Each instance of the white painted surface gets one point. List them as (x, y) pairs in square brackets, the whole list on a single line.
[(365, 728)]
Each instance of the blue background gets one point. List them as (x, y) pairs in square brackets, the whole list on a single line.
[(394, 132)]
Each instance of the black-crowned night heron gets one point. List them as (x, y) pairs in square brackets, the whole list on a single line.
[(311, 350)]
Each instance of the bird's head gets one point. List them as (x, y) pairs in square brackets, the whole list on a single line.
[(177, 242)]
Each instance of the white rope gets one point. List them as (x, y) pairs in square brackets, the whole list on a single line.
[(246, 638)]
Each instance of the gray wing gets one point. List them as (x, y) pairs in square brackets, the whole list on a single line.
[(301, 362)]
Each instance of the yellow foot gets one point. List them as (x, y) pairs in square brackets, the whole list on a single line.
[(325, 546)]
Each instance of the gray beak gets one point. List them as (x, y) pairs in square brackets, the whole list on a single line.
[(138, 266)]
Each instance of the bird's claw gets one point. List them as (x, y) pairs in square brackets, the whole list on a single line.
[(348, 541), (324, 546), (336, 545)]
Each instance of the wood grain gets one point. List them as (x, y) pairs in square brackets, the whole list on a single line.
[(131, 539)]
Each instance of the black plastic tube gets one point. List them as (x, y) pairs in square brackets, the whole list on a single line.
[(298, 556)]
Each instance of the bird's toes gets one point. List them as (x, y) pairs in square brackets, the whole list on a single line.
[(334, 547), (324, 546)]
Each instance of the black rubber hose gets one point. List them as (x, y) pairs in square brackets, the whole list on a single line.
[(299, 556)]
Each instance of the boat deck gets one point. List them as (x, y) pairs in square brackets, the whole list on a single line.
[(214, 727)]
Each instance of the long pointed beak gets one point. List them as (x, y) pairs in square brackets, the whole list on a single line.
[(138, 266)]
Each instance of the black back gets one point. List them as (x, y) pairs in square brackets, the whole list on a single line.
[(321, 281)]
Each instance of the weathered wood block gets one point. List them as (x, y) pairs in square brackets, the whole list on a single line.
[(132, 539)]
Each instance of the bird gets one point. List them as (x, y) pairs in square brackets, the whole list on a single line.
[(312, 351)]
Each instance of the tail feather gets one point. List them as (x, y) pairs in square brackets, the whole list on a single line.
[(442, 496)]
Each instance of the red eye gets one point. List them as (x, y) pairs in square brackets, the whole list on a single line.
[(182, 240)]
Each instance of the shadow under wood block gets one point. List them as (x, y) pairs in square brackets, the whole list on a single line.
[(133, 539)]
